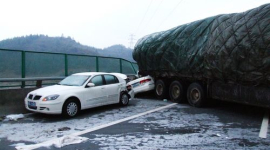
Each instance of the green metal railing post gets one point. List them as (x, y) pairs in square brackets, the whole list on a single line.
[(121, 69), (133, 68), (23, 69), (97, 65), (66, 65)]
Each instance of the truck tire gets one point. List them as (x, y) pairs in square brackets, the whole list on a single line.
[(177, 92), (161, 89), (196, 95)]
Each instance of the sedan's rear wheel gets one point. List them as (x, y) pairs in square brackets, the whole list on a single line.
[(70, 108)]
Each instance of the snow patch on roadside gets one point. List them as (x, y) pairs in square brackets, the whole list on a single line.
[(18, 144), (61, 142), (14, 117), (40, 132)]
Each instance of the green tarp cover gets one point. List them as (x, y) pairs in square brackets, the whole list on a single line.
[(230, 47)]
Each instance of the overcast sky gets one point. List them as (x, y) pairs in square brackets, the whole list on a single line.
[(102, 23)]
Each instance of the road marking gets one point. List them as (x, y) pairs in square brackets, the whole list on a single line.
[(264, 126), (51, 142)]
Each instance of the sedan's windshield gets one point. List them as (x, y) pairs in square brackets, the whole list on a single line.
[(74, 80)]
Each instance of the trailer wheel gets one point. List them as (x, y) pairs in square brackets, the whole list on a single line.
[(177, 92), (161, 89), (196, 95)]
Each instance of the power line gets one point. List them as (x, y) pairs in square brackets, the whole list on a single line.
[(144, 16), (153, 15), (169, 14)]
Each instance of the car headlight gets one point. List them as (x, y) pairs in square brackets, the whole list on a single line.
[(50, 98)]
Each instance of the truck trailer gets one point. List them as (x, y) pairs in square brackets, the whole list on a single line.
[(224, 57)]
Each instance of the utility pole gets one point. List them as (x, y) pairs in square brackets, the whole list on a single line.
[(131, 40)]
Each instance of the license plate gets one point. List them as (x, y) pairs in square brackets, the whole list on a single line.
[(135, 84), (31, 103)]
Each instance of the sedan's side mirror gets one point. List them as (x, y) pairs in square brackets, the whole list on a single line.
[(90, 85)]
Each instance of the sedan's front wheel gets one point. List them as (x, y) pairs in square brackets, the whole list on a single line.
[(124, 99), (70, 108)]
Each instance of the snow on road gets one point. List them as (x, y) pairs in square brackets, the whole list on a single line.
[(14, 117), (38, 132), (180, 127), (174, 129), (61, 142)]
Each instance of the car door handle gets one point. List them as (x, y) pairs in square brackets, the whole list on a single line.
[(103, 88)]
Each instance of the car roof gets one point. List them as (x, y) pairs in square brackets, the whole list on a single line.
[(100, 73), (89, 73), (121, 77)]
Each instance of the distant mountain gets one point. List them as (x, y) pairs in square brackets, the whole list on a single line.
[(43, 43), (119, 51)]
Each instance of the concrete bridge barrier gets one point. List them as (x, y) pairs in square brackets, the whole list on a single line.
[(12, 101)]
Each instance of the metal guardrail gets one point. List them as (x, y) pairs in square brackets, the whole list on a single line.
[(38, 80), (29, 79)]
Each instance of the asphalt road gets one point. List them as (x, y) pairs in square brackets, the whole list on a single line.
[(220, 126)]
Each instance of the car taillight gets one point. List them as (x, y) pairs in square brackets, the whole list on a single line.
[(144, 81), (129, 87)]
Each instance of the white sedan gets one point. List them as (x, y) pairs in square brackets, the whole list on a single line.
[(142, 84), (80, 91)]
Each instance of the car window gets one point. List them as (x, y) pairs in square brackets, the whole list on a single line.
[(74, 80), (116, 79), (97, 80), (110, 79)]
